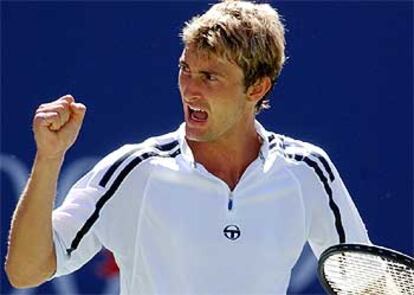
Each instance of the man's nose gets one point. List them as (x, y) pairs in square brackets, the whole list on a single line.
[(192, 88)]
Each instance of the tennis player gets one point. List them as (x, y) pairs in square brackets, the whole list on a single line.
[(219, 206)]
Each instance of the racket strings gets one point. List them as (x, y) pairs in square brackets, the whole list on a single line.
[(355, 273)]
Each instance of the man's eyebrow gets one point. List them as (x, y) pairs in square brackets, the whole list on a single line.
[(206, 71)]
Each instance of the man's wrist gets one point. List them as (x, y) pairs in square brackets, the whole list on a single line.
[(49, 158)]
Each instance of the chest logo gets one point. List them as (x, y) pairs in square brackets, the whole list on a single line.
[(232, 232)]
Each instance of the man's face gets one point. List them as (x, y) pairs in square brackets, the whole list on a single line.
[(213, 95)]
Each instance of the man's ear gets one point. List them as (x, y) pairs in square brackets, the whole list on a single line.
[(258, 89)]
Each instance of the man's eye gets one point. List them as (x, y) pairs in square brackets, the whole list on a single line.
[(210, 77), (183, 68)]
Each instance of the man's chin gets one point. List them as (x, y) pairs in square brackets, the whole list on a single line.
[(196, 134)]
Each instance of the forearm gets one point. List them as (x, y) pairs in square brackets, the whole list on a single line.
[(31, 258)]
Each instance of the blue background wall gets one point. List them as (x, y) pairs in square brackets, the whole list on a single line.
[(348, 87)]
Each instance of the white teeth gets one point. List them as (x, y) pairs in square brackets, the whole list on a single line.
[(196, 109)]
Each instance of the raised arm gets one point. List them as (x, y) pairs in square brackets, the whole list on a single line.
[(31, 256)]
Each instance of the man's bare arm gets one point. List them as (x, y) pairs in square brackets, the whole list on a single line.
[(31, 256)]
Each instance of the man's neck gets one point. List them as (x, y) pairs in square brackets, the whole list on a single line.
[(227, 159)]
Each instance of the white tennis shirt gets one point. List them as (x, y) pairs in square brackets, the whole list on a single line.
[(175, 228)]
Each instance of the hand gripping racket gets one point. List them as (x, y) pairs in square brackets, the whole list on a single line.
[(351, 269)]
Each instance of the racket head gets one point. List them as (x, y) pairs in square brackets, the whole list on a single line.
[(342, 267)]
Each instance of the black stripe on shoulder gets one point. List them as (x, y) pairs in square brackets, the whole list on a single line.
[(270, 138), (167, 146), (334, 207), (272, 145), (101, 202), (321, 158), (114, 166), (175, 154), (325, 165), (272, 141), (109, 193)]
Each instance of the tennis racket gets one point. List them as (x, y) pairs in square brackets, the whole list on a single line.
[(352, 269)]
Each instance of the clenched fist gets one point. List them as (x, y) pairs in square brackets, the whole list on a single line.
[(56, 126)]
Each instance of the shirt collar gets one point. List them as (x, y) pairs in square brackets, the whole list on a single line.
[(188, 154)]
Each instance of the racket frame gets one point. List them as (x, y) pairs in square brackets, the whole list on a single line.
[(359, 248)]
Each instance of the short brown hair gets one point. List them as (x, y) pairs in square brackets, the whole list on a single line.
[(250, 34)]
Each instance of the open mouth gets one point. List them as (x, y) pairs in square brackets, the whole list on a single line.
[(197, 114)]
